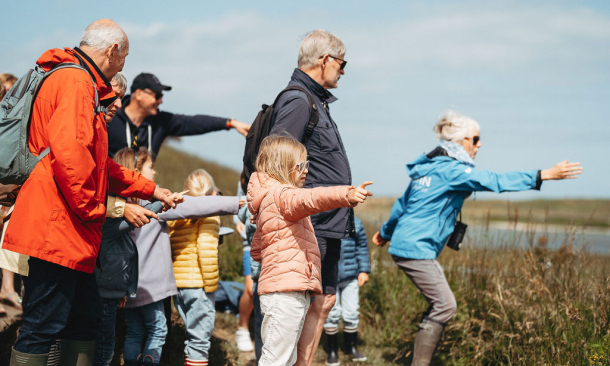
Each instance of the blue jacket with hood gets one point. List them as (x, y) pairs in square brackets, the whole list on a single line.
[(354, 254), (422, 220)]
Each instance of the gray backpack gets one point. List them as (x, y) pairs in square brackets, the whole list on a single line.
[(16, 160)]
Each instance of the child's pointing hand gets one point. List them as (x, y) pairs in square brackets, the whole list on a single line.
[(359, 194)]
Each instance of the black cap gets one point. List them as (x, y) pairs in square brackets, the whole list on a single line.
[(148, 81)]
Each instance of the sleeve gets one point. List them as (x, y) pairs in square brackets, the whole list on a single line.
[(295, 204), (292, 117), (256, 246), (127, 183), (362, 249), (116, 227), (202, 206), (465, 178), (70, 132), (115, 207), (399, 208), (183, 125)]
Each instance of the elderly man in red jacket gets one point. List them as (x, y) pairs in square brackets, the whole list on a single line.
[(58, 216)]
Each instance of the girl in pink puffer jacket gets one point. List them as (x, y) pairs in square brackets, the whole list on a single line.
[(285, 242)]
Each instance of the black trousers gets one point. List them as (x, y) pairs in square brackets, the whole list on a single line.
[(60, 303)]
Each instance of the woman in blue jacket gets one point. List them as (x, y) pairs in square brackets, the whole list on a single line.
[(422, 220)]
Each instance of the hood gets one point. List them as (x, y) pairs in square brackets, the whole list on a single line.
[(258, 188), (423, 165), (56, 56)]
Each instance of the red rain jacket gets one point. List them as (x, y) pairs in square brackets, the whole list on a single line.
[(60, 209)]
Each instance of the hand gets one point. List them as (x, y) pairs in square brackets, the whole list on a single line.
[(240, 127), (137, 215), (563, 170), (122, 302), (239, 227), (169, 199), (363, 278), (359, 194), (378, 240), (242, 203)]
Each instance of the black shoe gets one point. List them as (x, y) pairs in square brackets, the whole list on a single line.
[(350, 345), (333, 356)]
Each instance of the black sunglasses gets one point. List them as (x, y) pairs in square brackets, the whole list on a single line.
[(158, 95), (342, 64), (475, 139)]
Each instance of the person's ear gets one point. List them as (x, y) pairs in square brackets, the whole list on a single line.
[(110, 52), (323, 60)]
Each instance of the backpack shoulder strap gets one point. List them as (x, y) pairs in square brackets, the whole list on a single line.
[(314, 115), (65, 65)]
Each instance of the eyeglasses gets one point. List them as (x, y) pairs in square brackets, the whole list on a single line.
[(475, 139), (341, 64), (301, 167), (158, 95)]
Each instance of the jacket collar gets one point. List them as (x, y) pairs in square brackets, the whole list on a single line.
[(316, 89)]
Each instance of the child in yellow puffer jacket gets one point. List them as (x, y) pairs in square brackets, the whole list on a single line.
[(194, 245)]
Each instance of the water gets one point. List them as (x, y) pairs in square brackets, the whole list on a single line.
[(593, 240)]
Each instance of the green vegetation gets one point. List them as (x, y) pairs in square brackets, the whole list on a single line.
[(516, 306)]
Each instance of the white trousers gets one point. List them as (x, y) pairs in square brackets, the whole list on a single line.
[(283, 317)]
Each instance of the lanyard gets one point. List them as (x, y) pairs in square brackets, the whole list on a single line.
[(128, 135)]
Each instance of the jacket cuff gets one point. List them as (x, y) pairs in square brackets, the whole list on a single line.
[(538, 180), (350, 188), (115, 207), (148, 190)]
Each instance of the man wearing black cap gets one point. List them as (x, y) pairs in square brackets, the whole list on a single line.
[(140, 123)]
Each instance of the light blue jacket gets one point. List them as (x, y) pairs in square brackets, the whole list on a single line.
[(422, 220)]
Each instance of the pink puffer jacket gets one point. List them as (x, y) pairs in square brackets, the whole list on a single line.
[(284, 240)]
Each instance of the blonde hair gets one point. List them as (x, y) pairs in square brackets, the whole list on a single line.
[(278, 156), (120, 82), (316, 44), (200, 183), (453, 126), (8, 78), (2, 91), (126, 157)]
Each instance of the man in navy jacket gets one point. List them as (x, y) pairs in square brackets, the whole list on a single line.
[(320, 66), (140, 123)]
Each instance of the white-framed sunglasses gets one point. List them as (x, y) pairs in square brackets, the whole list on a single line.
[(302, 166)]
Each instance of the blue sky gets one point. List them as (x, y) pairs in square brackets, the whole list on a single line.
[(535, 76)]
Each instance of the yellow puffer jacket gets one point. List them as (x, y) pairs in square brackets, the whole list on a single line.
[(195, 252)]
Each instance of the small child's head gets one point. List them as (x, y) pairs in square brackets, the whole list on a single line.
[(284, 159), (140, 161), (200, 183)]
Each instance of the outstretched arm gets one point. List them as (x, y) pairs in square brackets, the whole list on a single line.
[(202, 206), (295, 204)]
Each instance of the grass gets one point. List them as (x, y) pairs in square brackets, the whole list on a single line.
[(519, 303)]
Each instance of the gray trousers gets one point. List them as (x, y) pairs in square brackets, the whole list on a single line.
[(427, 275)]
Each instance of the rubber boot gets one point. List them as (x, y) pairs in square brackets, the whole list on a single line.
[(76, 353), (427, 339), (333, 354), (54, 354), (23, 359), (351, 340)]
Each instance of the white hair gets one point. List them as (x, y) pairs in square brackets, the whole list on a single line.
[(452, 126), (102, 34), (316, 44), (120, 81)]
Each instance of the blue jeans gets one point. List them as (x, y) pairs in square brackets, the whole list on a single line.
[(104, 342), (196, 308), (59, 303), (346, 307), (146, 331)]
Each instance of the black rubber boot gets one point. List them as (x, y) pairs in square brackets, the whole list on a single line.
[(333, 355), (26, 359), (427, 339), (351, 339)]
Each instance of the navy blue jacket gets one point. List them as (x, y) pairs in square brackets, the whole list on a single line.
[(328, 164), (354, 254), (118, 258), (162, 125)]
